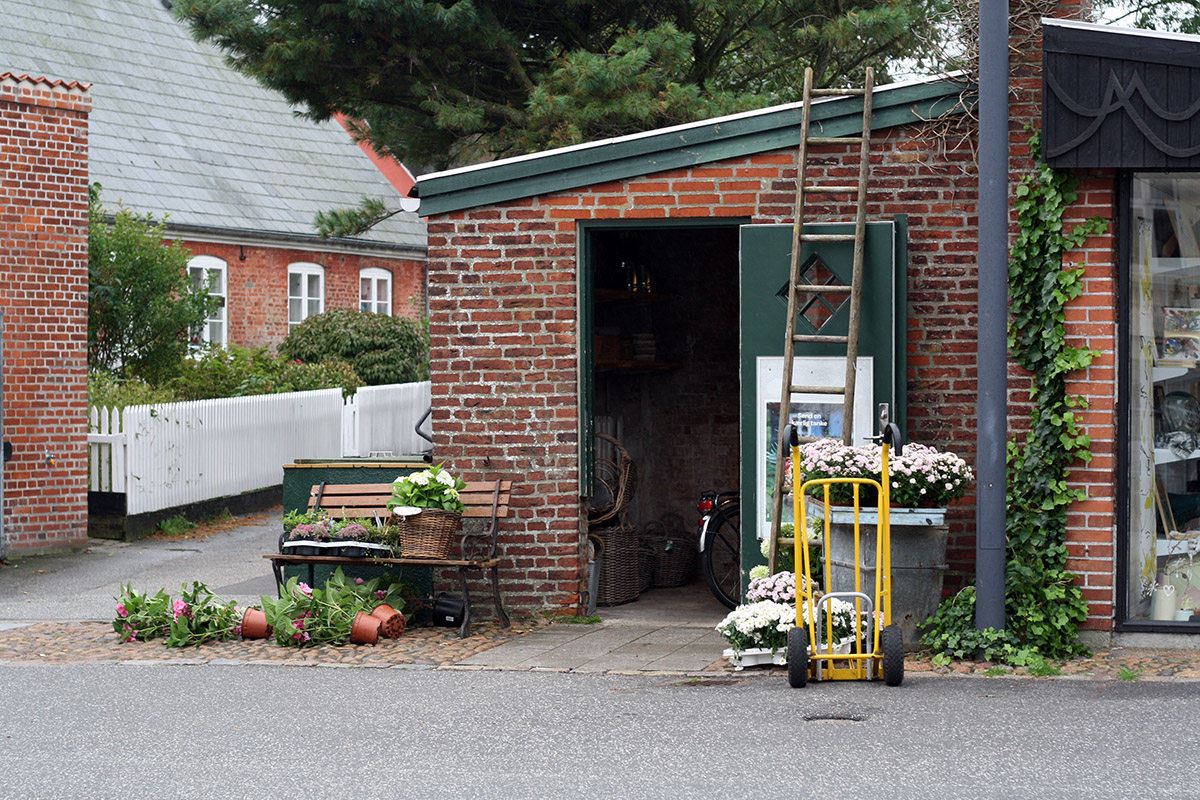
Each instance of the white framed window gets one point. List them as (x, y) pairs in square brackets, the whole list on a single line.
[(375, 291), (209, 272), (306, 291)]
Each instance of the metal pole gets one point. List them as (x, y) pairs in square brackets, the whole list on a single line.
[(3, 543), (992, 365)]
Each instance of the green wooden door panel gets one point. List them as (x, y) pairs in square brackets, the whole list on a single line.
[(765, 265)]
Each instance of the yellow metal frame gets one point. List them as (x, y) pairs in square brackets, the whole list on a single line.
[(860, 664)]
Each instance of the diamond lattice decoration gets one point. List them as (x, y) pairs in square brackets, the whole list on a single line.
[(816, 308)]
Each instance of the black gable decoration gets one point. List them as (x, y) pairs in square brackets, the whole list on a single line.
[(1119, 98)]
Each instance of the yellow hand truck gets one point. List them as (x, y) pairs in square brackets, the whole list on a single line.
[(876, 648)]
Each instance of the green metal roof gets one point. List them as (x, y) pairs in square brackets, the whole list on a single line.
[(680, 146)]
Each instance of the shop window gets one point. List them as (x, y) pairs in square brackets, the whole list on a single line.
[(375, 291), (1163, 579), (306, 291), (208, 273)]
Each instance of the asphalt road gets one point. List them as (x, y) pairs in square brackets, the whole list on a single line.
[(141, 731)]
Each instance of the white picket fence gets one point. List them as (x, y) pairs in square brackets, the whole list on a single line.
[(172, 454)]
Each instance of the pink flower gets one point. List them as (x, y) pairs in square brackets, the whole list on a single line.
[(180, 609), (358, 581), (380, 594), (121, 611), (298, 624), (300, 636), (306, 589)]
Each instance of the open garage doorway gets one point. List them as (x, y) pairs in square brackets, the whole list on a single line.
[(660, 309)]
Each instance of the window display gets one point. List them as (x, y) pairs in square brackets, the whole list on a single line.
[(1164, 442)]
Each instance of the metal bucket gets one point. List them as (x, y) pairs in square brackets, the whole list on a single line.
[(918, 568)]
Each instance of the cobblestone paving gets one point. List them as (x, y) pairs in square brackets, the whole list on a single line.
[(96, 642), (428, 647)]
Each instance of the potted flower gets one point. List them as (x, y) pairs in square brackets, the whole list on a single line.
[(195, 617), (757, 631), (303, 533), (354, 538), (339, 612), (921, 476), (427, 508), (922, 480)]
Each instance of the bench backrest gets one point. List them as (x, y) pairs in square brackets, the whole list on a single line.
[(370, 499)]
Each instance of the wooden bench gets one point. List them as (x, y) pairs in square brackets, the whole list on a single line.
[(485, 500)]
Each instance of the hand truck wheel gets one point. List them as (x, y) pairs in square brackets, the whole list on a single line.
[(891, 641), (797, 657)]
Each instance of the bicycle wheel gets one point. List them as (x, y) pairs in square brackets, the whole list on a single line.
[(722, 556)]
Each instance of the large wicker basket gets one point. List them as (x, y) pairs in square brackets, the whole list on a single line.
[(428, 534), (620, 577)]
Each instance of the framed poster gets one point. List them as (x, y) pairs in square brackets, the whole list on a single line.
[(819, 415)]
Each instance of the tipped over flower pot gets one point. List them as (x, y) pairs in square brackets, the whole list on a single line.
[(391, 621), (364, 629), (254, 624)]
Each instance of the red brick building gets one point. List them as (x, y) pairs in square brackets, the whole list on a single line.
[(530, 258), (43, 300)]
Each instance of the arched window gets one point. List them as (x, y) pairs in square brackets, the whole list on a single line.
[(375, 290), (306, 291), (208, 274)]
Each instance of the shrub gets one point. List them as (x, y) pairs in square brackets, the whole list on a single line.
[(381, 349), (105, 390), (239, 371)]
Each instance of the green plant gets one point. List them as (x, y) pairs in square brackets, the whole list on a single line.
[(196, 616), (176, 525), (1042, 668), (302, 615), (239, 371), (590, 619), (381, 349), (1043, 604), (940, 660), (431, 488), (1127, 674), (141, 305), (995, 670), (106, 390), (141, 616)]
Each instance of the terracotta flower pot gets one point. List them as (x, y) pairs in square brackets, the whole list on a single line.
[(254, 624), (365, 629), (391, 621)]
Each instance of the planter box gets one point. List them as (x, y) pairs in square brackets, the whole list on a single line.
[(305, 547), (756, 656)]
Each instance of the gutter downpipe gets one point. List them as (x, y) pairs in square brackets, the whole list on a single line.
[(992, 364)]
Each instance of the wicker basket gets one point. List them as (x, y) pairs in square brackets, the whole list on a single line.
[(428, 534), (620, 574), (674, 552)]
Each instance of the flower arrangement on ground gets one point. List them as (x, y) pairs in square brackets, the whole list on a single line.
[(432, 488), (302, 615), (196, 616), (921, 476), (764, 624)]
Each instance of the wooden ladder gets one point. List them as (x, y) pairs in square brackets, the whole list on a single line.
[(797, 286)]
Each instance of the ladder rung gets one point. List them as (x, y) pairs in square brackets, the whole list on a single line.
[(786, 540), (821, 288), (818, 390), (814, 187), (827, 237), (838, 92), (835, 140), (814, 339)]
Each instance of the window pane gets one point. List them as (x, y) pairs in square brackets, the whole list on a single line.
[(1164, 409), (314, 286), (295, 310), (295, 284)]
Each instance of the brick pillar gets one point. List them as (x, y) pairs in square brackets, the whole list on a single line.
[(43, 294)]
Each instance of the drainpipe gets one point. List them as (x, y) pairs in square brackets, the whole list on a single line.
[(992, 363)]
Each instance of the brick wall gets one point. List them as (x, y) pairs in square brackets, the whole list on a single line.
[(43, 294), (503, 295), (1091, 322), (257, 286)]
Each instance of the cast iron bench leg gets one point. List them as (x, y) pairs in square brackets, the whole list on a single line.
[(465, 629), (504, 623)]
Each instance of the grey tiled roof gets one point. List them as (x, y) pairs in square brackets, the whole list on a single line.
[(174, 130)]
